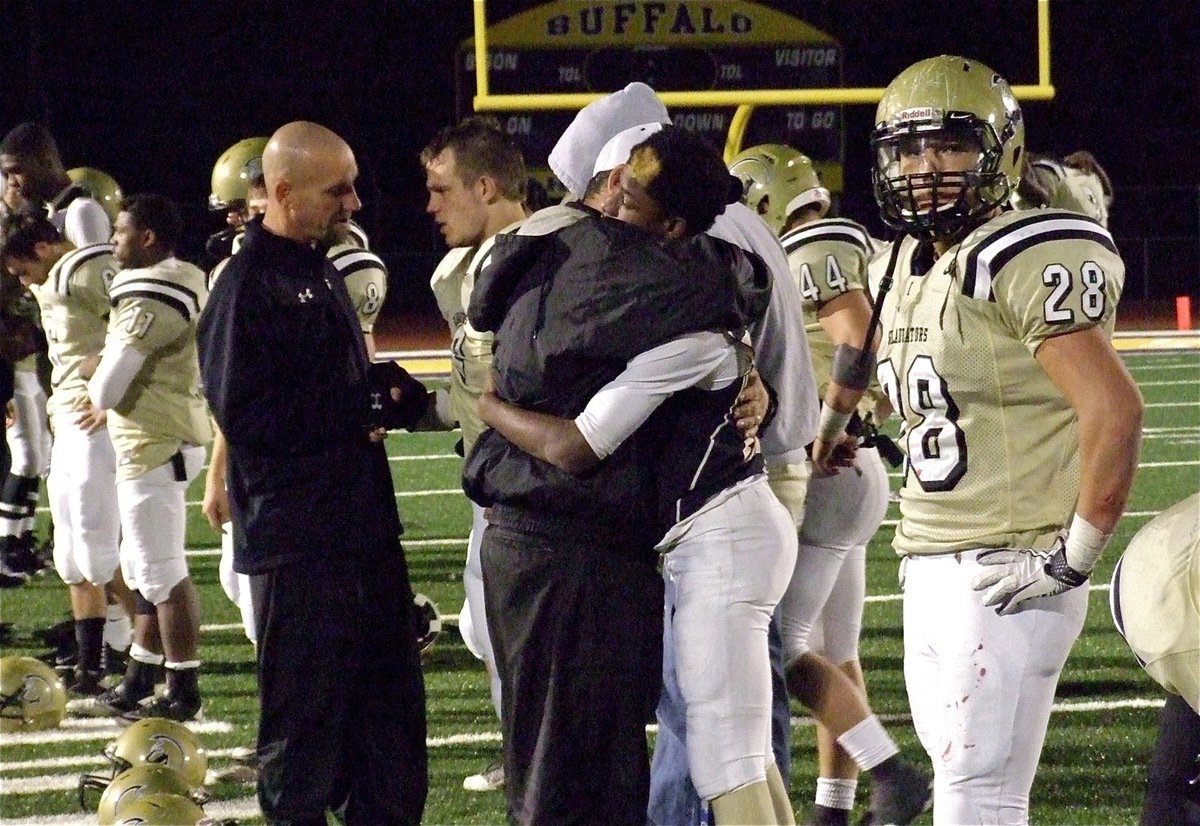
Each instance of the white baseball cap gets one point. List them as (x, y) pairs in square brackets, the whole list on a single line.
[(574, 156), (617, 150)]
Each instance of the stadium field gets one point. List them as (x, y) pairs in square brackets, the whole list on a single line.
[(1093, 765)]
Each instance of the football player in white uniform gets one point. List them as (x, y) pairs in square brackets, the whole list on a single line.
[(149, 380), (32, 165), (475, 176), (1155, 602), (822, 609), (71, 286), (1021, 425)]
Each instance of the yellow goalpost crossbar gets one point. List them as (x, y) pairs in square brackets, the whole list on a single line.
[(745, 100)]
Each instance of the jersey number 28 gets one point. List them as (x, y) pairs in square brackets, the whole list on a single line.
[(937, 447)]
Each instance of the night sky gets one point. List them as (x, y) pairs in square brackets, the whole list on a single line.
[(153, 92)]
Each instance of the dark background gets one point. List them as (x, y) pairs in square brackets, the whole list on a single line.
[(153, 92)]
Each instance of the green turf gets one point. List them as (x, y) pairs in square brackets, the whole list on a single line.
[(1093, 765)]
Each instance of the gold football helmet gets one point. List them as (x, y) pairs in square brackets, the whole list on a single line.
[(231, 177), (134, 784), (943, 104), (161, 810), (31, 695), (778, 180), (154, 741), (102, 186)]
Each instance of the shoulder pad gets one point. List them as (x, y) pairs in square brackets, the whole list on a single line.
[(142, 284), (1020, 232), (833, 229), (348, 259), (70, 263)]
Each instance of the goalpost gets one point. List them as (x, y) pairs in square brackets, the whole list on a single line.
[(743, 100)]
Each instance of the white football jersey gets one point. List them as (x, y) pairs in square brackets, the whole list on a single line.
[(992, 447), (154, 311), (74, 304)]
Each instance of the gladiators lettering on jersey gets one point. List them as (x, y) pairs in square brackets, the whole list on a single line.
[(74, 303), (991, 443), (907, 334), (154, 311)]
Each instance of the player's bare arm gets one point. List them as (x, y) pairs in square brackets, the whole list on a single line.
[(216, 500), (845, 319), (549, 438), (1108, 404)]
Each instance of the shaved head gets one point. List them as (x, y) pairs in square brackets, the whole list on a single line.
[(310, 173)]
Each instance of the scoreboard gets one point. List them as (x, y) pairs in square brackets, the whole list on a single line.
[(577, 46)]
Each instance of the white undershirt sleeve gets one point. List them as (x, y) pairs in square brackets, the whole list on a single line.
[(619, 408), (118, 368), (86, 223)]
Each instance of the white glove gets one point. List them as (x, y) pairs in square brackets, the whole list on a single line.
[(1020, 574)]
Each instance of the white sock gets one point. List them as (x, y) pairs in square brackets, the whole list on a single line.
[(868, 744), (117, 629), (146, 656), (836, 793)]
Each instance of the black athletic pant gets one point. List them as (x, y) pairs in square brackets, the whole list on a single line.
[(577, 630), (342, 723), (1171, 798)]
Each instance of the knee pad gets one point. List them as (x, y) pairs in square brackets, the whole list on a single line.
[(64, 559), (157, 579)]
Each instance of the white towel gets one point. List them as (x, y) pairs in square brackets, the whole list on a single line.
[(574, 156)]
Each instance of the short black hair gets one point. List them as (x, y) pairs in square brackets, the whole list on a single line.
[(686, 175), (29, 140), (156, 213), (24, 232)]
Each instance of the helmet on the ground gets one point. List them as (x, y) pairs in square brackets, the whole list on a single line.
[(947, 104), (161, 810), (154, 741), (232, 174), (134, 784), (31, 695), (777, 181), (102, 186)]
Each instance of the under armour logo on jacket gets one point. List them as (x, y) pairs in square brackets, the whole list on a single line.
[(305, 296), (377, 401)]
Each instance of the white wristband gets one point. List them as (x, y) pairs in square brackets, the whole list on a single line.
[(1084, 544), (832, 424)]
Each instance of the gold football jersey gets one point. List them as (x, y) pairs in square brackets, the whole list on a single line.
[(154, 311), (828, 258), (991, 444), (74, 305), (1156, 598), (366, 281)]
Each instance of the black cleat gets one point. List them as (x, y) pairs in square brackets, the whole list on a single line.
[(900, 799), (117, 702), (182, 710)]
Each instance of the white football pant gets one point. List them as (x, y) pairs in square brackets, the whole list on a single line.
[(153, 525), (472, 619), (235, 585), (822, 608), (83, 503), (730, 568), (29, 437), (980, 686)]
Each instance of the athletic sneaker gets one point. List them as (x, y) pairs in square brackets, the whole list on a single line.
[(10, 578), (899, 799), (116, 702), (180, 710), (488, 780)]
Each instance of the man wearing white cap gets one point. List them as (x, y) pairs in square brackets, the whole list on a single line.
[(782, 357)]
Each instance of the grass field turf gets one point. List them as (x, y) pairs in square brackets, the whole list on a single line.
[(1093, 765)]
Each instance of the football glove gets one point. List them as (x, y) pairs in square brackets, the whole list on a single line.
[(1019, 574), (398, 401)]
